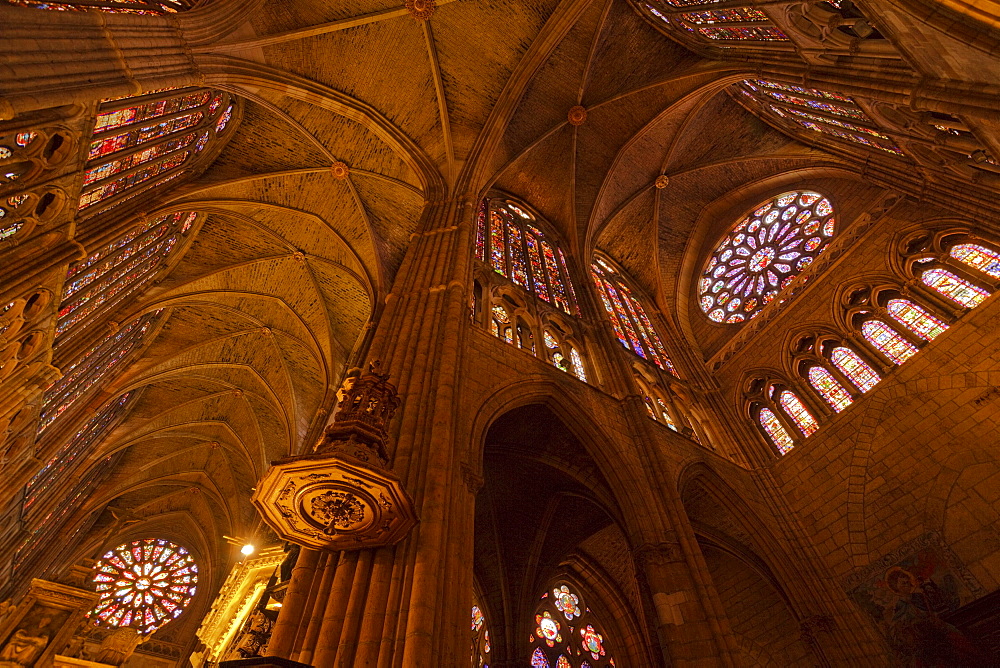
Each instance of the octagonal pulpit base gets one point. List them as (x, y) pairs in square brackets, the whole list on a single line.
[(334, 502)]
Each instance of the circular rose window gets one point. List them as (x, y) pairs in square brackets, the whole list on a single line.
[(144, 584), (763, 254)]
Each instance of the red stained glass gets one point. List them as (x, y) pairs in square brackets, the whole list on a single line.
[(775, 430), (538, 277), (954, 288), (796, 410), (915, 319), (978, 257), (555, 281), (829, 388), (152, 588), (888, 341), (518, 268), (497, 244), (856, 369)]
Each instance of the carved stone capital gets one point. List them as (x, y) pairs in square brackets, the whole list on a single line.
[(473, 481), (659, 554)]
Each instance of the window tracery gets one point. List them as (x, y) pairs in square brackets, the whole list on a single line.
[(143, 585), (566, 633), (779, 411), (628, 317), (32, 153), (94, 366), (142, 142), (826, 112), (522, 291), (481, 646), (148, 7), (509, 240), (120, 269), (763, 253)]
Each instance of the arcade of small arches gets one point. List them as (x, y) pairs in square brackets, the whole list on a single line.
[(666, 326)]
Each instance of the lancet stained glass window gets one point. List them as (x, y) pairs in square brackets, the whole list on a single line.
[(69, 454), (481, 646), (829, 388), (120, 269), (735, 24), (143, 584), (888, 341), (826, 112), (796, 410), (953, 287), (775, 430), (856, 369), (509, 240), (915, 319), (93, 366), (628, 317), (978, 257), (148, 7), (142, 142), (763, 253)]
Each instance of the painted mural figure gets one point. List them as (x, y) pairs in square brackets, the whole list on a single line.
[(914, 628)]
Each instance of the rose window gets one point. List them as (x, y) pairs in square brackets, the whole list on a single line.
[(144, 584), (763, 254)]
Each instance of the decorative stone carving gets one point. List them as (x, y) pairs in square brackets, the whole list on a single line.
[(421, 10), (118, 645), (662, 181), (659, 554), (339, 169), (577, 115), (342, 496)]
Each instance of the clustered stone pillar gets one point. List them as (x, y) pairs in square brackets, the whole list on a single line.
[(404, 604)]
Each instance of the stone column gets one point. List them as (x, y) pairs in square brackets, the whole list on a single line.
[(407, 604)]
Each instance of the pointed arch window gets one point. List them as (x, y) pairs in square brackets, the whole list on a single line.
[(68, 455), (142, 142), (567, 633), (763, 253), (825, 112), (627, 315), (563, 354), (888, 341), (915, 319), (94, 366), (829, 388), (148, 7), (798, 412), (856, 369), (481, 646), (734, 24), (121, 269), (775, 430), (953, 287), (509, 240)]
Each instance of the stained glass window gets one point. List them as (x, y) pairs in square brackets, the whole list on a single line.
[(731, 24), (120, 269), (775, 430), (953, 287), (888, 341), (538, 659), (480, 639), (826, 112), (915, 319), (856, 369), (628, 317), (93, 366), (141, 142), (507, 235), (148, 7), (74, 449), (829, 388), (979, 257), (143, 584), (796, 410), (763, 254), (567, 634)]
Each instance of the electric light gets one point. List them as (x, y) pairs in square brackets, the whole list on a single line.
[(247, 549)]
